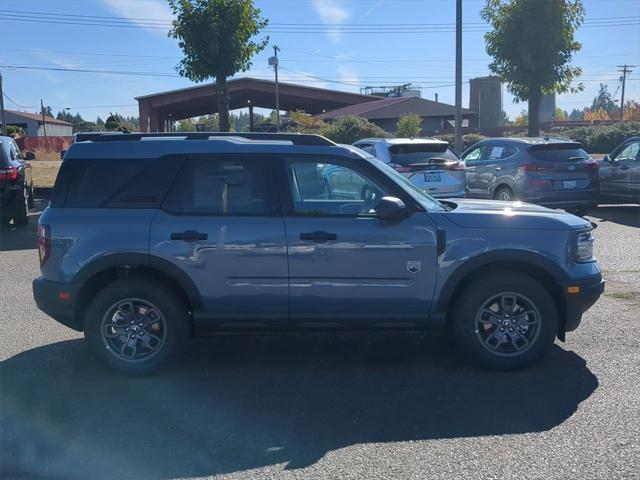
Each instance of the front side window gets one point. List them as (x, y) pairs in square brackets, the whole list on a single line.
[(319, 188), (474, 155), (210, 186), (630, 152)]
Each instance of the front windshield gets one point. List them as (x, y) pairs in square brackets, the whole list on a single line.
[(417, 194)]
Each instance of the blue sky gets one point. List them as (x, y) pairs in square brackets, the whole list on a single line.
[(326, 56)]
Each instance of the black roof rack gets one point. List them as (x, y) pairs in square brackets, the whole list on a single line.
[(294, 138)]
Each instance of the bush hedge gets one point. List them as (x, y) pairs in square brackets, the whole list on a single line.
[(603, 138), (467, 140)]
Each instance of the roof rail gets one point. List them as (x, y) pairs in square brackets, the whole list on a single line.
[(294, 138)]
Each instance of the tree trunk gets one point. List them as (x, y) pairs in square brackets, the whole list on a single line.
[(534, 114), (223, 103)]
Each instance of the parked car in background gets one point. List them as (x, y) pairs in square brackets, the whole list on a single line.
[(430, 164), (16, 184), (620, 174), (546, 171), (151, 238)]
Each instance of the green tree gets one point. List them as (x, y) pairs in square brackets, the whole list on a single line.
[(576, 115), (216, 39), (522, 119), (505, 119), (186, 125), (532, 44), (409, 125), (46, 111), (560, 114), (604, 101), (351, 128)]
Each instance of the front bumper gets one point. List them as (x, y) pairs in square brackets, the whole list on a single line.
[(589, 291), (47, 295)]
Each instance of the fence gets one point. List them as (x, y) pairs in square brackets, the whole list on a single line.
[(48, 145)]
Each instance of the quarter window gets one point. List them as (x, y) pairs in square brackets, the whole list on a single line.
[(331, 189)]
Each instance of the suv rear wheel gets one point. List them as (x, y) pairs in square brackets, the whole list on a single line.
[(135, 325), (504, 193), (505, 321), (21, 207)]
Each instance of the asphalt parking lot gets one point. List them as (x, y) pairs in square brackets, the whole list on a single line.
[(374, 406)]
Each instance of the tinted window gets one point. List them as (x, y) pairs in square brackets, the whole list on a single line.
[(367, 148), (500, 151), (552, 153), (406, 154), (220, 187), (115, 183), (630, 152), (330, 189)]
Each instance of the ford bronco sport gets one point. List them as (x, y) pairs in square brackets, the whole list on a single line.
[(152, 238)]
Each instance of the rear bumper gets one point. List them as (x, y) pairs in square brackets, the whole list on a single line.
[(576, 304), (563, 199), (47, 296), (9, 193)]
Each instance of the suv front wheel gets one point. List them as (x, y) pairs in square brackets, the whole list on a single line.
[(505, 320), (135, 325)]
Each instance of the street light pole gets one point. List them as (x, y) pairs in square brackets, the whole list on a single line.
[(273, 61), (458, 115), (4, 124)]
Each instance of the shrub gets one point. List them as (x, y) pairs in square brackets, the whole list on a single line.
[(603, 138), (409, 125), (350, 129), (467, 140)]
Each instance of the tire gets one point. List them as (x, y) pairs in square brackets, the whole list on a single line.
[(504, 194), (30, 198), (21, 208), (505, 338), (164, 335)]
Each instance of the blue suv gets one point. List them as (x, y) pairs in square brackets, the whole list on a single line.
[(150, 239)]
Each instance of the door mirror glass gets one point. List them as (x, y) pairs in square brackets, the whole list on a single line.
[(606, 158), (391, 208)]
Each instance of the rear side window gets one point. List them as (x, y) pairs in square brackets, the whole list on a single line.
[(558, 153), (218, 186), (406, 154), (139, 183)]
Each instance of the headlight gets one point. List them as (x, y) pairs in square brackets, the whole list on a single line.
[(584, 246)]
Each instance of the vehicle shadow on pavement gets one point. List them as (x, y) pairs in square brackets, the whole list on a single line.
[(627, 215), (20, 237), (237, 403)]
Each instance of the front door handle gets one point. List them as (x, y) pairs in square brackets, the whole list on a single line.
[(189, 236), (498, 169), (318, 236)]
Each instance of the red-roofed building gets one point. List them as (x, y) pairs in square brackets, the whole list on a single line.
[(436, 117), (35, 125)]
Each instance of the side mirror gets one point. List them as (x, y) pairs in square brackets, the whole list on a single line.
[(29, 156), (391, 208), (606, 158), (62, 152)]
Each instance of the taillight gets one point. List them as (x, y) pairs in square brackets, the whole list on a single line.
[(593, 167), (535, 167), (455, 166), (8, 173), (400, 168), (44, 243)]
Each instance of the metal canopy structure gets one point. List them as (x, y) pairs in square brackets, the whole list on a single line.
[(158, 109)]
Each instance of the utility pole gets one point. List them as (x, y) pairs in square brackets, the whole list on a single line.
[(44, 122), (4, 124), (625, 70), (273, 61), (458, 116)]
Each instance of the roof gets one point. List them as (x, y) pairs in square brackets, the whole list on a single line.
[(38, 117), (243, 92), (536, 140), (394, 108), (402, 141)]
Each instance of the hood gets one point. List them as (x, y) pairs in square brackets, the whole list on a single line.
[(471, 213)]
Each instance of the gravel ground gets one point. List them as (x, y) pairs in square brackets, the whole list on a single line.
[(307, 407)]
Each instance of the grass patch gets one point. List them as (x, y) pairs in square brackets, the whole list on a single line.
[(44, 172), (621, 295)]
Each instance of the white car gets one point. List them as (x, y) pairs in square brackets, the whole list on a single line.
[(430, 164)]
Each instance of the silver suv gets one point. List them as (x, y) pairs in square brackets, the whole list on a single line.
[(430, 164), (149, 239)]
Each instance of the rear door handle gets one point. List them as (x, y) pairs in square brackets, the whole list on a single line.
[(318, 236), (189, 236)]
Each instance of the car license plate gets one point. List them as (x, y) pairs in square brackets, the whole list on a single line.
[(569, 184), (432, 177)]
